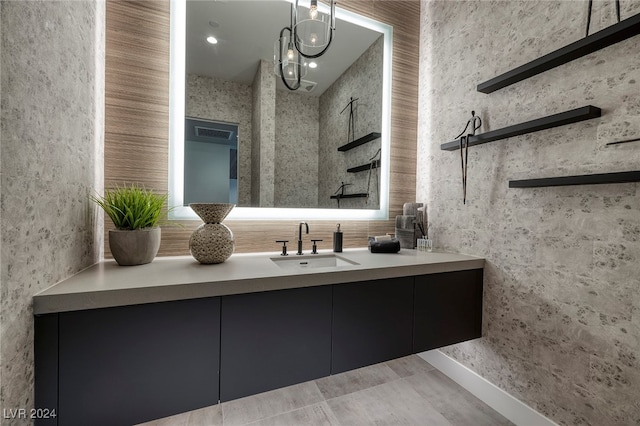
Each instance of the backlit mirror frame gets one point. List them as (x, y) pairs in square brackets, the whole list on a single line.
[(176, 132)]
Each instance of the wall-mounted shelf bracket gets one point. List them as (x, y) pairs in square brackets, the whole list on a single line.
[(603, 38), (360, 141), (573, 116), (595, 179)]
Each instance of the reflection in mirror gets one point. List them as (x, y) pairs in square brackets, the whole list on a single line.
[(211, 160), (287, 141)]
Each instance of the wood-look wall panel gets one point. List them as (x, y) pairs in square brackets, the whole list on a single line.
[(139, 122), (138, 89), (137, 117)]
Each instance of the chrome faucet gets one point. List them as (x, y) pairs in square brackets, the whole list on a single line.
[(300, 236)]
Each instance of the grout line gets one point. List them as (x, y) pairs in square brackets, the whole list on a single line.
[(369, 387), (326, 400), (286, 412)]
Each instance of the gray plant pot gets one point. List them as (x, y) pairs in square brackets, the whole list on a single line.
[(135, 247)]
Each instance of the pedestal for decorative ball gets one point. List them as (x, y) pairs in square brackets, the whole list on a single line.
[(213, 241)]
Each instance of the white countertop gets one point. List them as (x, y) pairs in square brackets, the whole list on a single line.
[(106, 284)]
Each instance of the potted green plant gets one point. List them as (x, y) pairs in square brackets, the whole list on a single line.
[(136, 213)]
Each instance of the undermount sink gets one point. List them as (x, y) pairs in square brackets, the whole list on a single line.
[(312, 261)]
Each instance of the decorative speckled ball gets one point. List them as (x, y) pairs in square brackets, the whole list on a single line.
[(212, 242)]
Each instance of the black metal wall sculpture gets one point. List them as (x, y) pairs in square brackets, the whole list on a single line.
[(590, 7), (475, 122), (373, 165), (351, 132)]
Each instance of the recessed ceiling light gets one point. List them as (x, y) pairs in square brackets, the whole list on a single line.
[(212, 40), (313, 65)]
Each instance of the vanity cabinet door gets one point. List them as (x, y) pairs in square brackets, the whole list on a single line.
[(372, 322), (131, 364), (274, 339), (448, 309)]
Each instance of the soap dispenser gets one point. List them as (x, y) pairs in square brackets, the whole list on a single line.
[(337, 240)]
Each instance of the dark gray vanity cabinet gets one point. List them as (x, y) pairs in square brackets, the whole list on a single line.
[(126, 365), (447, 309), (274, 339), (131, 364), (372, 322)]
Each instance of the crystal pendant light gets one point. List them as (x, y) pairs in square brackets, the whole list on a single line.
[(313, 29)]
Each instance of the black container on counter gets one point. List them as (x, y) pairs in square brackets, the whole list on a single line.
[(337, 240)]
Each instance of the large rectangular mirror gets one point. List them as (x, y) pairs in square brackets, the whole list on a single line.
[(286, 143)]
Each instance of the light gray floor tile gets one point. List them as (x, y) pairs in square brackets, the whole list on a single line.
[(177, 420), (435, 385), (313, 415), (393, 403), (268, 404), (478, 410), (355, 380), (455, 403), (409, 365), (210, 416), (374, 395)]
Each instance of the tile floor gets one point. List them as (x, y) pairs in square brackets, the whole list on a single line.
[(405, 391)]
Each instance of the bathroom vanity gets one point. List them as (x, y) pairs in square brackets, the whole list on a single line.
[(123, 345)]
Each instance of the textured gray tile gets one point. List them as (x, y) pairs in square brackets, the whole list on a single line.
[(562, 263), (362, 80), (296, 162), (434, 385), (409, 365), (355, 380), (422, 398), (313, 415), (393, 403), (210, 416), (454, 402), (52, 143), (269, 404), (181, 419)]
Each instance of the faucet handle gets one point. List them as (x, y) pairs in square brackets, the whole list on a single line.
[(284, 247), (315, 246)]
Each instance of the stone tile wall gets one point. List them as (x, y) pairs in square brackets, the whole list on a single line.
[(562, 284), (51, 118), (362, 80), (296, 168), (264, 119)]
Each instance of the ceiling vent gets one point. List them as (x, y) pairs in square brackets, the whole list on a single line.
[(307, 85), (208, 132)]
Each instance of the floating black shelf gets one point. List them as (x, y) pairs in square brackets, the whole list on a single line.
[(597, 179), (360, 141), (606, 37), (364, 167), (575, 115), (336, 197)]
